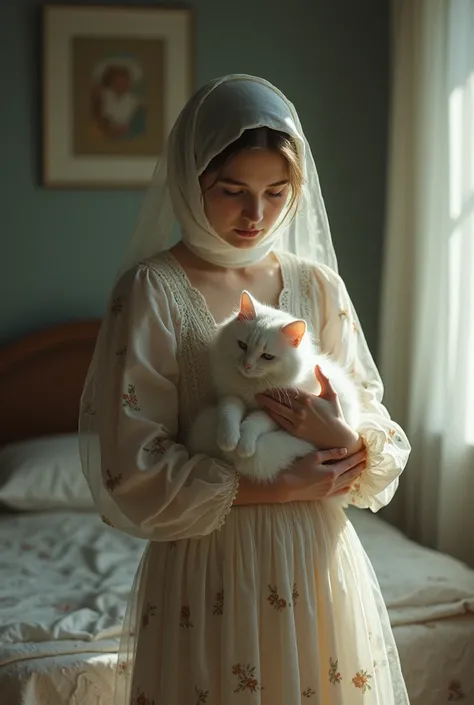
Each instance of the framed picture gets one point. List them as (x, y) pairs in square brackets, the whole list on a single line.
[(114, 81)]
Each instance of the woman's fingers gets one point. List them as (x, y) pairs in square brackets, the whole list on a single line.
[(344, 490), (345, 481), (327, 390), (324, 456), (352, 461), (349, 476), (321, 378), (289, 418), (291, 398), (275, 407)]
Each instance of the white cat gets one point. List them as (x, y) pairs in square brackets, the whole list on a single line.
[(255, 350)]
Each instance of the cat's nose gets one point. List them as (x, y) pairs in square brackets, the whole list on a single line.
[(248, 366)]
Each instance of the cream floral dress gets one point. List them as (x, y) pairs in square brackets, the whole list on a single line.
[(259, 605)]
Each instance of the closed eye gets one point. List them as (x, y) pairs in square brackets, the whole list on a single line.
[(242, 345), (266, 356), (232, 193)]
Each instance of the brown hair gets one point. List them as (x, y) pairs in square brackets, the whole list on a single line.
[(265, 138)]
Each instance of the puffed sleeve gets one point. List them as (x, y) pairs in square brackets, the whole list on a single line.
[(156, 485), (387, 445)]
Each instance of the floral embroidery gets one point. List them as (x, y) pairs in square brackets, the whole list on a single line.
[(455, 692), (150, 611), (185, 617), (308, 693), (106, 521), (201, 695), (171, 545), (130, 399), (343, 313), (361, 680), (112, 481), (275, 600), (142, 699), (392, 435), (279, 603), (334, 675), (355, 327), (246, 678), (218, 608), (63, 607), (122, 668), (87, 408), (355, 490), (117, 305), (156, 447)]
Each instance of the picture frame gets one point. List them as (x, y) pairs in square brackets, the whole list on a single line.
[(114, 81)]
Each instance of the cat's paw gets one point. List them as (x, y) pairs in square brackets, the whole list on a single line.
[(228, 438), (247, 446)]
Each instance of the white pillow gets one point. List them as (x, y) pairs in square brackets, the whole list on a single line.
[(42, 474)]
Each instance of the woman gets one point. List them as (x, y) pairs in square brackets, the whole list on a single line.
[(246, 594)]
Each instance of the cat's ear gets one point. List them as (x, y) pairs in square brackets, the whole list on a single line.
[(247, 309), (294, 332)]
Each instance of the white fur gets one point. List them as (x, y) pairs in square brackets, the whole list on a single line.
[(236, 430)]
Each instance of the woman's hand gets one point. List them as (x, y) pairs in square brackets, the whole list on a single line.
[(317, 419), (310, 479)]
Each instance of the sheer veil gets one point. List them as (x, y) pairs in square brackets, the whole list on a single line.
[(214, 118)]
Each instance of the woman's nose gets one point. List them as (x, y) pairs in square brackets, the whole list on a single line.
[(253, 210)]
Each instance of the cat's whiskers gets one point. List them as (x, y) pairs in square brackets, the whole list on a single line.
[(266, 382), (282, 395), (295, 394)]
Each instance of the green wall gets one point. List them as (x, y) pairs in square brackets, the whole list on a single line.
[(60, 249)]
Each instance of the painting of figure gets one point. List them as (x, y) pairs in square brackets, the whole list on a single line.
[(117, 103), (119, 100)]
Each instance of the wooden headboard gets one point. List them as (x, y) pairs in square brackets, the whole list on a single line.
[(41, 378)]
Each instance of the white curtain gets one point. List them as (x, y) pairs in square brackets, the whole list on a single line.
[(427, 323)]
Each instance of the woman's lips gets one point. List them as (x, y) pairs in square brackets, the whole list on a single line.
[(247, 233)]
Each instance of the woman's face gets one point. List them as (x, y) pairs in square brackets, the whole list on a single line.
[(243, 201)]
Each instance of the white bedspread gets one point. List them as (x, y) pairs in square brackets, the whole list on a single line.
[(65, 579), (418, 584), (430, 599)]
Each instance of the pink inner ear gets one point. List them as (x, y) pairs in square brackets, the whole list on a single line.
[(247, 309), (294, 332)]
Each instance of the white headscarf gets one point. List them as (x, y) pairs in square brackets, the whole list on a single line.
[(216, 116)]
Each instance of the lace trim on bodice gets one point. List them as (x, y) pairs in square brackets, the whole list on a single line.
[(197, 325)]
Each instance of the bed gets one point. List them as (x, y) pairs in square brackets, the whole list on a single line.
[(65, 575)]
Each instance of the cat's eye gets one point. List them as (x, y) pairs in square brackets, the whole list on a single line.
[(242, 345), (266, 356)]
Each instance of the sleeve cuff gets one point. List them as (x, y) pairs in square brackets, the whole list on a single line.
[(230, 500)]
